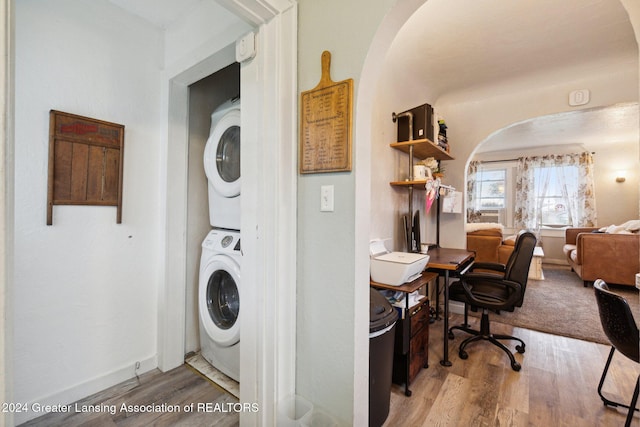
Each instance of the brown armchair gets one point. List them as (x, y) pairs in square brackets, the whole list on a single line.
[(489, 246), (614, 258)]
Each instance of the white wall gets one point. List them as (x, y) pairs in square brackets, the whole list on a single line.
[(617, 202), (329, 346), (86, 288), (205, 30), (390, 204)]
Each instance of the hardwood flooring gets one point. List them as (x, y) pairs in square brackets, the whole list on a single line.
[(557, 385), (174, 389)]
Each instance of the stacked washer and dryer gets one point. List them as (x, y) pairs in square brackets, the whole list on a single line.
[(219, 281)]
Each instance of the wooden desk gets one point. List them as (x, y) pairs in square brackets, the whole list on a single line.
[(411, 348), (445, 261)]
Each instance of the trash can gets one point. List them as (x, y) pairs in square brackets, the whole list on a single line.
[(382, 322)]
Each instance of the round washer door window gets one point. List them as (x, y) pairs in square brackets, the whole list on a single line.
[(228, 154), (222, 155), (223, 300), (219, 300)]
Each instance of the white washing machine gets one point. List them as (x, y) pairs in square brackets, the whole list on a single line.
[(219, 301), (222, 166)]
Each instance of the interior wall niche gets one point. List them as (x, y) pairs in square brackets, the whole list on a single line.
[(85, 162)]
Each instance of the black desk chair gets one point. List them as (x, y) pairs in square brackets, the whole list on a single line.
[(621, 329), (497, 287)]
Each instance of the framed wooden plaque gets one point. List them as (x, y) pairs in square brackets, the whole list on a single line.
[(325, 124), (85, 162)]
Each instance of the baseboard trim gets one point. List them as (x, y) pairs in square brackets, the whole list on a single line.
[(554, 261), (456, 307), (87, 388)]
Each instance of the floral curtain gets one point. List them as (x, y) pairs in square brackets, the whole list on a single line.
[(533, 179), (472, 173)]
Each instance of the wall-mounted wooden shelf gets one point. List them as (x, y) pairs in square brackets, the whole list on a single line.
[(422, 148), (420, 184)]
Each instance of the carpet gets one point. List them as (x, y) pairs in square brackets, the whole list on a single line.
[(561, 305)]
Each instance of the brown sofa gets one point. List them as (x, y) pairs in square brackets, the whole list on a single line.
[(614, 258), (489, 246)]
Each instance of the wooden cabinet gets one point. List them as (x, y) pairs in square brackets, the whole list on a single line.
[(411, 352), (411, 348)]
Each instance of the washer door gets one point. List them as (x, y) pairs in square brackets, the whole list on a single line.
[(222, 155), (219, 300)]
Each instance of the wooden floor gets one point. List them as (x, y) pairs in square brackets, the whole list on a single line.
[(174, 389), (557, 385)]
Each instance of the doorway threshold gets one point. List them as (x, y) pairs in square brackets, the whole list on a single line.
[(200, 364)]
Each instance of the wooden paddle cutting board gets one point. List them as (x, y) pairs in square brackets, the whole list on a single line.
[(325, 124)]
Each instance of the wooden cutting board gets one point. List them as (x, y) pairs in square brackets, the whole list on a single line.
[(325, 124)]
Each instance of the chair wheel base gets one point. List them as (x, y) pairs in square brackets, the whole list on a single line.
[(463, 354), (520, 349), (515, 366)]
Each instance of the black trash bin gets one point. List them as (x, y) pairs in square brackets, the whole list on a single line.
[(382, 324)]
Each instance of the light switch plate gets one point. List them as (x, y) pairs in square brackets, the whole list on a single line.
[(326, 198)]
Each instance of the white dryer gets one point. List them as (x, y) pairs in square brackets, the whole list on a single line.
[(219, 301), (222, 166)]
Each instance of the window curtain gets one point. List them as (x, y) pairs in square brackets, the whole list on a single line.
[(472, 173), (578, 195)]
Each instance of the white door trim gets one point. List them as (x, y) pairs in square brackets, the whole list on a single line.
[(7, 91)]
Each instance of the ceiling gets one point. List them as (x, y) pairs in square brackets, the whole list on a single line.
[(590, 127), (458, 51), (161, 13), (462, 43), (478, 43)]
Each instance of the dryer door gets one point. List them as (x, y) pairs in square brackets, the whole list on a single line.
[(219, 300), (222, 155)]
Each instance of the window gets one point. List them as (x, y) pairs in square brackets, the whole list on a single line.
[(491, 189), (532, 192), (492, 193), (553, 198), (555, 191)]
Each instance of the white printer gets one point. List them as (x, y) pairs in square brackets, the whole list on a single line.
[(394, 268)]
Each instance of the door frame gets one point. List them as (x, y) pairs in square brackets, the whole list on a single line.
[(269, 173)]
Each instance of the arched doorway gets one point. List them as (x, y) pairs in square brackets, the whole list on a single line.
[(367, 129)]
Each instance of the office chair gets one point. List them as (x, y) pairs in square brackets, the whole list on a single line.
[(621, 329), (496, 287)]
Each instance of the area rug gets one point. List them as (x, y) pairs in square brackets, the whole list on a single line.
[(561, 305)]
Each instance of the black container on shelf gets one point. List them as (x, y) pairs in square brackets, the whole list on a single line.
[(422, 123)]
